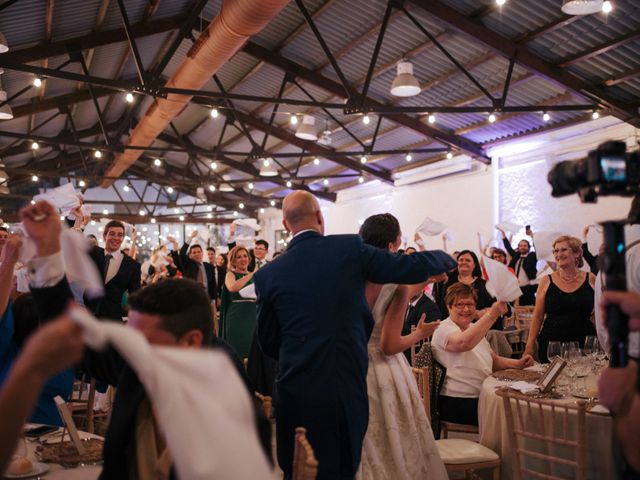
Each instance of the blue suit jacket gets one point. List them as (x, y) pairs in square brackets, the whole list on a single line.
[(313, 318)]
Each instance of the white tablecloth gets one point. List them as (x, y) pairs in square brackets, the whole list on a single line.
[(494, 434), (58, 472)]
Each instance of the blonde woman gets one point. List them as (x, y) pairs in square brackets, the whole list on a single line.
[(564, 300)]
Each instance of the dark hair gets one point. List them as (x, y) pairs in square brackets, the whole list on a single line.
[(181, 304), (26, 319), (4, 229), (476, 269), (113, 224), (413, 250), (91, 235), (195, 245), (276, 254), (380, 230), (499, 251), (527, 242), (211, 249), (634, 211), (262, 242), (459, 290)]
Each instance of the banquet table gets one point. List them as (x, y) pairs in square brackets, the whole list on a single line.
[(58, 472), (494, 433)]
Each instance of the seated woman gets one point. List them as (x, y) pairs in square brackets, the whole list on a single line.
[(564, 300), (461, 347)]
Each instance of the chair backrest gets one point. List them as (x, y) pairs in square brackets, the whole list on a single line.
[(81, 402), (523, 316), (266, 402), (305, 465), (547, 439), (422, 379)]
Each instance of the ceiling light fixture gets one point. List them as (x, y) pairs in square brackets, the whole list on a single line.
[(363, 159), (607, 6), (492, 117), (325, 182), (142, 213), (181, 218), (546, 117), (405, 84), (293, 119), (267, 169), (500, 2), (97, 154), (306, 130), (105, 211), (82, 184), (408, 157), (214, 165), (251, 186), (241, 205), (272, 203), (581, 7), (235, 213), (125, 188), (209, 216), (289, 184), (214, 112), (316, 161), (262, 210), (129, 97), (5, 111), (431, 118), (153, 220), (37, 82), (449, 155), (366, 119), (212, 188), (34, 178), (157, 162), (226, 187), (595, 115), (360, 179), (35, 146), (169, 189), (4, 46)]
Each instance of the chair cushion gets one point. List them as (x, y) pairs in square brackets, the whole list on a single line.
[(455, 451)]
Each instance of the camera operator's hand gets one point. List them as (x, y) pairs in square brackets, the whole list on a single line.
[(629, 303), (616, 388)]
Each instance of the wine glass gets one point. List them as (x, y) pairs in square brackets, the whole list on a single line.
[(590, 345), (570, 354), (554, 350)]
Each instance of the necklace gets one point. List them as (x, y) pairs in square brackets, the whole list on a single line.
[(568, 279)]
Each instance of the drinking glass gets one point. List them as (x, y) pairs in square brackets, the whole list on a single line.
[(554, 350), (570, 354)]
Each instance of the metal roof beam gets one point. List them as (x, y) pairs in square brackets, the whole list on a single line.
[(527, 59)]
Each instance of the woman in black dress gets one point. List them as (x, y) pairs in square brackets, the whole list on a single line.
[(564, 300)]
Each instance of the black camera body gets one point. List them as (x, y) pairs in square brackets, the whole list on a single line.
[(607, 170)]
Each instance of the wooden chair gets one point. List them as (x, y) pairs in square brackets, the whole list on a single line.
[(81, 402), (458, 455), (538, 430), (523, 316), (305, 465), (266, 402), (415, 348)]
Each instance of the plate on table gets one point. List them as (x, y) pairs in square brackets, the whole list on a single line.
[(38, 469)]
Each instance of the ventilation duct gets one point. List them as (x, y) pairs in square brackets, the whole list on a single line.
[(237, 21)]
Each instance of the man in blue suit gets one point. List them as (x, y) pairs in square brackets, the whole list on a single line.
[(314, 319)]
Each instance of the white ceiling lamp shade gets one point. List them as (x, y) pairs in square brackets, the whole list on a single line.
[(5, 110), (4, 46), (405, 84), (307, 130), (581, 7), (267, 169)]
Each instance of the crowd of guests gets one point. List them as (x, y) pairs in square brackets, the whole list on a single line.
[(325, 329)]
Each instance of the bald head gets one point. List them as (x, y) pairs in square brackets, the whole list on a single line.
[(301, 211)]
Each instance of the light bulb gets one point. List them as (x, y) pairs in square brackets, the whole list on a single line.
[(97, 154), (82, 184), (235, 213), (432, 118), (449, 155), (169, 189), (181, 218), (294, 120), (262, 210), (213, 165), (35, 146), (105, 211), (209, 208), (129, 97), (37, 82), (595, 115), (546, 117), (157, 162), (251, 185), (607, 6), (361, 179), (34, 178), (289, 184), (209, 216), (316, 161), (500, 2), (366, 119), (212, 188), (363, 159), (214, 113), (241, 205), (325, 181), (126, 188), (492, 118), (408, 157), (272, 203), (153, 220), (142, 213), (266, 162)]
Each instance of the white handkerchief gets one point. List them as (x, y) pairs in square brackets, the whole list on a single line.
[(200, 401), (509, 227), (524, 387), (248, 223), (448, 235), (501, 283), (65, 198), (248, 292), (430, 227), (543, 241)]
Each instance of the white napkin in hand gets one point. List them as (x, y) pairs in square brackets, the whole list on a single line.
[(501, 283), (524, 387), (249, 291), (543, 242), (65, 198), (200, 401), (509, 227), (430, 227), (248, 223)]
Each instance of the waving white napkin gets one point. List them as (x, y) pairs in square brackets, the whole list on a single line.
[(501, 283), (524, 387), (200, 401), (249, 291), (248, 223), (65, 198), (430, 227), (78, 266), (543, 242), (509, 227)]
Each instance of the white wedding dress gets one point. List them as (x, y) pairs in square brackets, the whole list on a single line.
[(399, 443)]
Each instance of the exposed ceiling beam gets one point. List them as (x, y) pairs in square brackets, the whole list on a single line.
[(527, 59), (599, 49), (92, 40), (335, 88), (52, 103)]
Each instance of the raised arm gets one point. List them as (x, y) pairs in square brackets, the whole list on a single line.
[(234, 285), (466, 340), (392, 341)]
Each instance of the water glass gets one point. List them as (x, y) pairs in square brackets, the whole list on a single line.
[(590, 345), (554, 350)]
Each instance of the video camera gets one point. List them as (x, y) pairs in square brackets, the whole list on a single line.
[(607, 170)]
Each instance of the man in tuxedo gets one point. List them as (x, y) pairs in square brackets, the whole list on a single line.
[(258, 254), (523, 263), (218, 272), (120, 273), (190, 261), (313, 317), (173, 312)]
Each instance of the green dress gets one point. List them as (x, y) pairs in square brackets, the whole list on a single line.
[(237, 319)]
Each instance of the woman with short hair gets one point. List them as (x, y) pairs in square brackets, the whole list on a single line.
[(461, 347), (564, 300)]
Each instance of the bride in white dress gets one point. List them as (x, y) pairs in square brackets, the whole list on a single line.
[(399, 443)]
